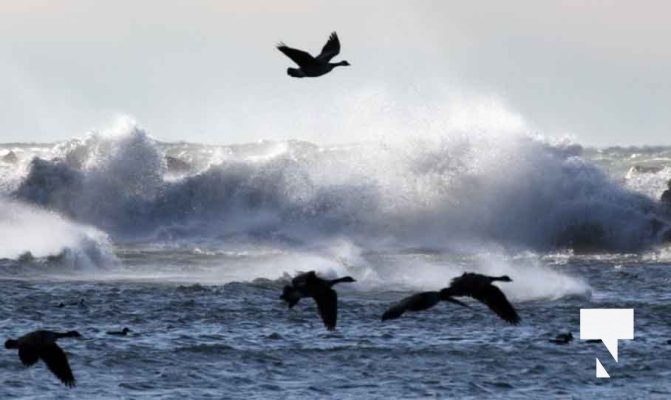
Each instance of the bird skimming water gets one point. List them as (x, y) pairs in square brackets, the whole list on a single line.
[(472, 285), (41, 344)]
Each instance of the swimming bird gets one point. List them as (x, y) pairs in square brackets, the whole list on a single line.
[(310, 285), (296, 291), (313, 66), (42, 344), (417, 302), (480, 288), (122, 332), (80, 303), (562, 338)]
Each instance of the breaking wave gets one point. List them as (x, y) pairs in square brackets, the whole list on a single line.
[(449, 192), (36, 237)]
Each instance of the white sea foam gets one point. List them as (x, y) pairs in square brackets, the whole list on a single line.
[(461, 188), (31, 233)]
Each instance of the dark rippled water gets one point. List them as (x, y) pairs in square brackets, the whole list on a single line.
[(187, 245), (236, 340)]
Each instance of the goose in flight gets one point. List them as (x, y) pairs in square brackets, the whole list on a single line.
[(41, 344), (472, 285), (297, 290), (313, 66), (310, 285), (481, 289)]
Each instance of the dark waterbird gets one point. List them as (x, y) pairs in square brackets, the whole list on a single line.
[(80, 303), (313, 66), (480, 288), (41, 344), (297, 290), (562, 338), (469, 284), (122, 332), (309, 284)]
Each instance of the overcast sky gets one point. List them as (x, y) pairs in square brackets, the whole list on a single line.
[(207, 71)]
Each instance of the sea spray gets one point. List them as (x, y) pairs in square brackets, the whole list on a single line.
[(32, 235), (440, 192)]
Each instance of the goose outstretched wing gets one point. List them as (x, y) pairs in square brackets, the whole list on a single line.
[(57, 362), (327, 303), (330, 49), (494, 298), (300, 57), (416, 302)]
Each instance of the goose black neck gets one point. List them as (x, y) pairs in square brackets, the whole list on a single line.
[(343, 279)]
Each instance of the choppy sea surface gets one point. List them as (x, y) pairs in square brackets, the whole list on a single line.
[(189, 246)]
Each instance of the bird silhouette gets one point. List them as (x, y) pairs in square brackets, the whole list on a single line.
[(472, 285), (122, 332), (480, 288), (310, 66), (310, 285), (41, 344), (292, 294)]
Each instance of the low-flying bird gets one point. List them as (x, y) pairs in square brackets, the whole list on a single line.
[(309, 66), (480, 288), (469, 284), (41, 344), (321, 290), (297, 290)]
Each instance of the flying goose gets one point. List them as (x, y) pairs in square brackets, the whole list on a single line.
[(480, 288), (42, 344), (296, 291), (472, 285), (310, 285), (313, 66)]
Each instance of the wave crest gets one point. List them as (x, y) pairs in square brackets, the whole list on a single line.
[(35, 236), (511, 190)]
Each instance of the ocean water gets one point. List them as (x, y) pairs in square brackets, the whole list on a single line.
[(189, 246)]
